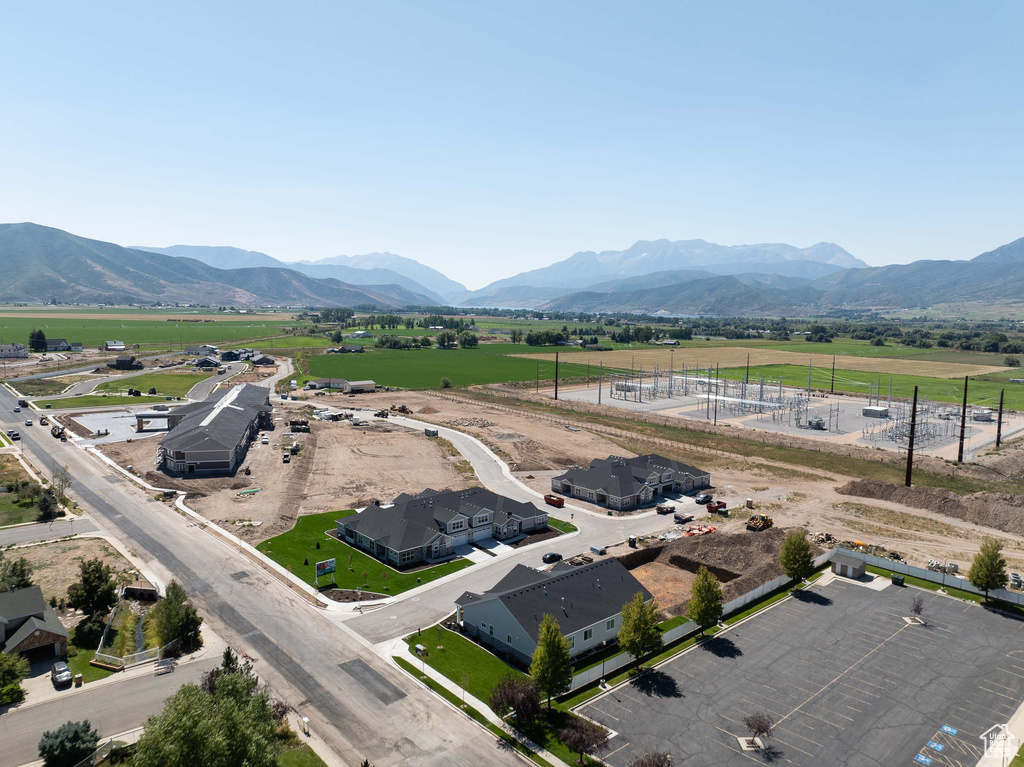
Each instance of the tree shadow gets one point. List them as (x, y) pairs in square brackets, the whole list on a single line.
[(655, 684), (722, 647), (770, 753), (811, 597)]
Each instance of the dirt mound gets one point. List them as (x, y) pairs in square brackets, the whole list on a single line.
[(741, 562), (462, 423), (996, 510), (428, 410)]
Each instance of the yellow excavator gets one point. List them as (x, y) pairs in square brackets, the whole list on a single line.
[(759, 522)]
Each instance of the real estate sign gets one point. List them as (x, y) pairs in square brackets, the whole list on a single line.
[(326, 567)]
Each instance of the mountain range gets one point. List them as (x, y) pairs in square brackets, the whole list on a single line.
[(689, 277)]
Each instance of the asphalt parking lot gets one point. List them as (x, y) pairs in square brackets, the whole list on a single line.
[(847, 680)]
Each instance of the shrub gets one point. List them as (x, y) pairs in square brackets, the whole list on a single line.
[(11, 694)]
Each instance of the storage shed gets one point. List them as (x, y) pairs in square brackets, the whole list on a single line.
[(847, 566), (875, 411)]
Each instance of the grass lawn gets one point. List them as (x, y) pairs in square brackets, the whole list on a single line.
[(166, 384), (96, 400), (303, 756), (79, 664), (463, 656), (355, 568), (1018, 761), (565, 527), (44, 387), (950, 390), (424, 368), (13, 512)]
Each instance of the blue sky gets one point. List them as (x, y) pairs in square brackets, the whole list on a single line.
[(485, 139)]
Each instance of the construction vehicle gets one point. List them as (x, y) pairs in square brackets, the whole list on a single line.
[(759, 522), (44, 421), (57, 431), (664, 508), (382, 413), (404, 410)]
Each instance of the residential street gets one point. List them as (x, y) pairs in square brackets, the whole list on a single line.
[(111, 707), (44, 531), (361, 706)]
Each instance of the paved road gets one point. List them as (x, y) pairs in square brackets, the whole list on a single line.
[(87, 387), (43, 531), (428, 607), (111, 708), (203, 389), (86, 369), (361, 706)]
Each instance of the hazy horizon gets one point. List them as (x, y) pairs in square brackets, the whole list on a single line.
[(485, 140)]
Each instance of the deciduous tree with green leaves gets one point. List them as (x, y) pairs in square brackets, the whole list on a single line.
[(175, 617), (551, 667), (95, 592), (705, 608), (988, 571), (639, 633), (795, 556), (13, 669)]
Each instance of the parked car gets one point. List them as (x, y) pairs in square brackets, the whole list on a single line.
[(286, 458), (551, 557), (60, 674), (703, 498), (265, 440), (14, 435), (28, 422), (17, 408)]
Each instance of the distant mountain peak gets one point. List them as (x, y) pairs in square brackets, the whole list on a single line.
[(1010, 253)]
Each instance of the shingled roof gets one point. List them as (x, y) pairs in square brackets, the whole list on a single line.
[(220, 421), (577, 598), (623, 477)]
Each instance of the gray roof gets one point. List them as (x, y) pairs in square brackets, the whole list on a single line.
[(846, 559), (416, 520), (219, 422), (21, 603), (330, 383), (577, 598), (49, 622), (622, 477)]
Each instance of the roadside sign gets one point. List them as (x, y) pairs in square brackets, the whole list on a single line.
[(326, 567)]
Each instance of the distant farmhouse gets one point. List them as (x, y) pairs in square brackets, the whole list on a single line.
[(346, 349), (586, 601), (13, 352), (114, 346), (201, 351), (212, 436), (343, 385), (430, 526), (626, 483), (62, 345)]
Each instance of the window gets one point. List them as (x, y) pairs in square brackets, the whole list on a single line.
[(508, 639), (610, 624), (572, 641), (588, 634), (409, 556), (492, 629), (458, 524)]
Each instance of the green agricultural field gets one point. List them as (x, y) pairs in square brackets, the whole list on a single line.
[(424, 368), (96, 400), (153, 334), (355, 569), (166, 384), (979, 392)]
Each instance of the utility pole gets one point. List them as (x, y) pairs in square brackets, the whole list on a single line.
[(832, 388), (556, 375), (600, 380), (910, 443), (999, 420), (963, 424), (746, 377), (808, 379), (716, 394)]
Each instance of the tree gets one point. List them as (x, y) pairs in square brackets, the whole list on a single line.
[(988, 571), (174, 617), (705, 606), (795, 557), (14, 573), (60, 481), (96, 592), (47, 504), (13, 668), (37, 341), (68, 745), (446, 339), (446, 383), (232, 726), (759, 724), (468, 340), (639, 634), (583, 736), (917, 606), (1012, 362), (518, 695), (651, 759), (517, 336), (551, 667)]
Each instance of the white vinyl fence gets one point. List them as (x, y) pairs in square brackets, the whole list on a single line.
[(1013, 597), (616, 662)]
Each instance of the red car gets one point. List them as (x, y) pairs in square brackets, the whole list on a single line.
[(554, 500)]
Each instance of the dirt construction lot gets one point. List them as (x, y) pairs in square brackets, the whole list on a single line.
[(55, 566)]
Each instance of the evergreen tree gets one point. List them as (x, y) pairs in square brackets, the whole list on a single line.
[(988, 571), (551, 667), (14, 573), (795, 557), (68, 745), (639, 633), (705, 606)]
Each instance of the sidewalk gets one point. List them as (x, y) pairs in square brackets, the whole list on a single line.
[(401, 649)]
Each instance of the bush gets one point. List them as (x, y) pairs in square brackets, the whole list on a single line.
[(68, 745), (446, 383), (88, 632), (1012, 362), (11, 694)]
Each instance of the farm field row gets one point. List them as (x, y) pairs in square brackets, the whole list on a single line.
[(985, 393)]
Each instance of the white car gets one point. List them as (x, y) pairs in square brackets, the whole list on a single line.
[(265, 440)]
